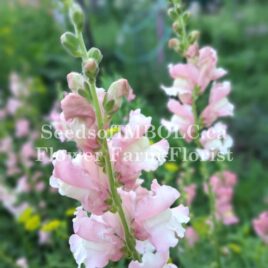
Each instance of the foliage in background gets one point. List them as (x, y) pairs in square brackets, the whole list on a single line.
[(29, 43)]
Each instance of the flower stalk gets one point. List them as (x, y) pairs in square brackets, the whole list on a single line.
[(191, 79), (116, 200), (90, 78), (125, 217)]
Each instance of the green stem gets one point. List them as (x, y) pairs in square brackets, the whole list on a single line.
[(130, 241), (82, 45), (205, 173), (117, 202)]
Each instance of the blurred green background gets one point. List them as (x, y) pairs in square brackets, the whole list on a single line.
[(133, 37)]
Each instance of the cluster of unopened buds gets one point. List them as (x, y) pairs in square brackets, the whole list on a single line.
[(118, 217)]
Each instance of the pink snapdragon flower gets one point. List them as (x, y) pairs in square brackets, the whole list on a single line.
[(200, 70), (207, 64), (182, 120), (75, 81), (260, 226), (151, 215), (97, 239), (219, 105), (150, 257), (22, 128), (215, 141), (222, 185), (117, 91), (132, 151), (82, 179), (79, 122), (185, 79)]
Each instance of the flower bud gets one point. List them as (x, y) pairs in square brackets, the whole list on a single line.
[(172, 13), (71, 44), (77, 16), (176, 26), (116, 92), (91, 68), (173, 43), (75, 81), (95, 53), (194, 36), (186, 16)]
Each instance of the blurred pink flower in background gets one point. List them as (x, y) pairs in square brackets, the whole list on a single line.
[(44, 237), (22, 128), (13, 105), (260, 226), (223, 186), (12, 164), (22, 185), (182, 120), (27, 153), (191, 236), (3, 113), (190, 191), (22, 262)]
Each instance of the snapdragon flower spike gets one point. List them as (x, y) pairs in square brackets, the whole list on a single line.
[(190, 81), (132, 152)]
